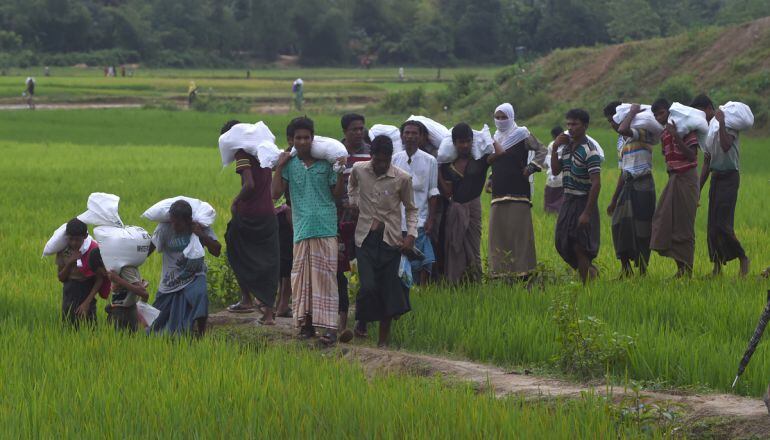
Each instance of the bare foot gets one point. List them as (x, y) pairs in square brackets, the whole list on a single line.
[(745, 266)]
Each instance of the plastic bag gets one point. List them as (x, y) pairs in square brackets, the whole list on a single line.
[(146, 313), (57, 242), (405, 272), (122, 247), (390, 131), (251, 138), (202, 213), (482, 145), (738, 116), (436, 131), (643, 120), (688, 119)]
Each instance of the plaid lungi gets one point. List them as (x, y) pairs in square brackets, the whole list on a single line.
[(314, 282)]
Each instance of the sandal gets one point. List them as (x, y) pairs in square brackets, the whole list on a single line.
[(346, 336), (360, 333), (240, 308), (306, 333), (286, 314), (328, 339), (263, 321)]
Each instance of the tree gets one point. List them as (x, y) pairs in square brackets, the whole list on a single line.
[(632, 20)]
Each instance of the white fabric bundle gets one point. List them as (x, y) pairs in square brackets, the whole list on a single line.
[(390, 131), (202, 213), (482, 145), (436, 131), (254, 139), (738, 116), (508, 133), (147, 313), (644, 120), (328, 149), (688, 119), (122, 247), (102, 210)]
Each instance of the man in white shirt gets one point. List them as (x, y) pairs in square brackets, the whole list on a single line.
[(424, 171)]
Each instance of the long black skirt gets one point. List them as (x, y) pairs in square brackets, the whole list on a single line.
[(568, 234), (723, 197), (381, 295), (253, 253)]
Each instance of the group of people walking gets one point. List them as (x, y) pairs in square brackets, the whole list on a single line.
[(295, 229)]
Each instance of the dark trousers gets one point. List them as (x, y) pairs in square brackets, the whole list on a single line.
[(342, 288), (74, 292), (123, 318)]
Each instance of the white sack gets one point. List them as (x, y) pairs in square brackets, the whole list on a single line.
[(738, 116), (202, 213), (688, 119), (102, 210), (147, 313), (390, 131), (643, 120), (436, 131), (246, 137), (328, 149), (482, 145), (122, 247)]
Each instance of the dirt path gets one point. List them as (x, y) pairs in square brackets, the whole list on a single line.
[(740, 416), (72, 106)]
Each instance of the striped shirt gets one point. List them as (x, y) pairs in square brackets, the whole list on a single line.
[(635, 152), (577, 166), (676, 162)]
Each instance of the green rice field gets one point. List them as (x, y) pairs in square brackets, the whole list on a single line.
[(688, 334)]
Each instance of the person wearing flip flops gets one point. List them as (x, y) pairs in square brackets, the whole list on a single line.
[(379, 189), (252, 236), (314, 186)]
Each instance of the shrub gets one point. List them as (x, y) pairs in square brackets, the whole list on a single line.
[(211, 104), (222, 284), (678, 89)]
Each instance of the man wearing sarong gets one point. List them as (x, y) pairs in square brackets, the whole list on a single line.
[(511, 235), (673, 225), (313, 185), (379, 190), (424, 171), (633, 202), (554, 191), (252, 236), (721, 160), (461, 183), (577, 228), (354, 131)]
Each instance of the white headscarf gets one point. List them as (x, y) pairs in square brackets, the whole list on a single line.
[(508, 133)]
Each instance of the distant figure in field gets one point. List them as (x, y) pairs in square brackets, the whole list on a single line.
[(123, 71), (633, 202), (401, 74), (673, 225), (577, 228), (46, 71), (29, 92), (721, 163), (298, 89), (192, 93), (554, 191)]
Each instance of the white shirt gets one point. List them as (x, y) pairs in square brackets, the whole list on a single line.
[(424, 172), (552, 181)]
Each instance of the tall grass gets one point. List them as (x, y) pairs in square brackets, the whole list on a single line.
[(687, 333)]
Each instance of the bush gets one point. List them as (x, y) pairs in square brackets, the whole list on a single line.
[(222, 285), (588, 348), (405, 101), (677, 89)]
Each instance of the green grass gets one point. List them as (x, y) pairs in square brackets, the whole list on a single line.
[(687, 333), (101, 384), (70, 84)]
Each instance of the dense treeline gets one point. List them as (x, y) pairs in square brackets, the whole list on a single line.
[(334, 32)]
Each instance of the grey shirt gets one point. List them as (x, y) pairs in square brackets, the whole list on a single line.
[(178, 271), (721, 161)]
